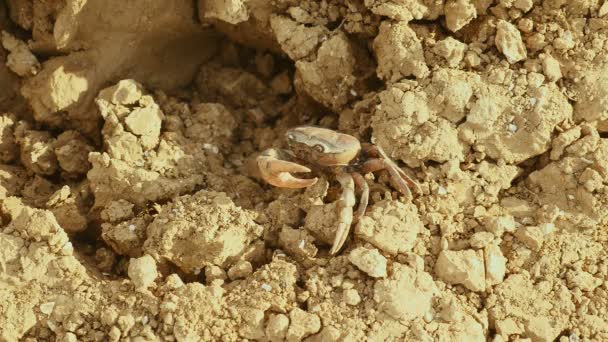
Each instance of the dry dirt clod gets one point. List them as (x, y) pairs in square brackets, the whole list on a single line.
[(509, 42), (351, 297), (276, 327), (406, 293), (533, 237), (462, 267), (481, 239), (399, 52), (242, 269), (37, 153), (203, 229), (302, 324), (450, 49), (391, 226), (459, 13), (20, 59), (369, 261), (495, 264), (142, 271)]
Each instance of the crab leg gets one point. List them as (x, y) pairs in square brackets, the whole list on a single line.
[(277, 172), (399, 178), (345, 216), (382, 161), (412, 183), (371, 150), (361, 184)]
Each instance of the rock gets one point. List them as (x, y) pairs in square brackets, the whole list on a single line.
[(47, 308), (297, 242), (399, 52), (230, 11), (551, 69), (457, 90), (173, 282), (508, 41), (199, 230), (213, 124), (276, 327), (591, 180), (458, 13), (531, 236), (547, 228), (540, 329), (391, 226), (583, 280), (117, 211), (508, 327), (495, 263), (330, 77), (213, 272), (321, 222), (302, 324), (421, 136), (125, 92), (515, 143), (142, 271), (469, 329), (565, 41), (406, 294), (351, 297), (69, 337), (500, 224), (12, 180), (37, 152), (70, 208), (20, 60), (72, 153), (472, 59), (369, 261), (523, 5), (464, 267), (603, 10), (8, 145), (593, 90), (242, 269), (281, 84), (38, 225), (127, 237), (252, 327), (564, 140), (327, 334), (296, 40), (481, 239), (450, 49), (145, 121)]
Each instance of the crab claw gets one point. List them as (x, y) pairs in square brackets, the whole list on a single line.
[(277, 172)]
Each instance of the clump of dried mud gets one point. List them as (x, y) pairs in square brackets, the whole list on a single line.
[(130, 210)]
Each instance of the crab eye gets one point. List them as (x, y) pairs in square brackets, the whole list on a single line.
[(319, 148)]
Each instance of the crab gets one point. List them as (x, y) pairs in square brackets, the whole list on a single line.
[(325, 151)]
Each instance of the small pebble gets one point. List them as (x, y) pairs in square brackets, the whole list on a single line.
[(351, 297), (369, 261), (47, 308)]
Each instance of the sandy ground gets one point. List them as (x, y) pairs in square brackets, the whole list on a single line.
[(131, 208)]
